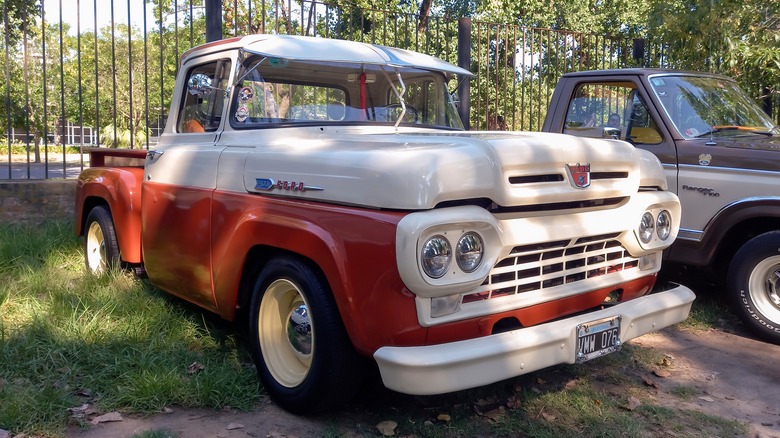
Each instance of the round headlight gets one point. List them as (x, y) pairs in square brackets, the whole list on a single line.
[(436, 256), (646, 227), (663, 225), (469, 252)]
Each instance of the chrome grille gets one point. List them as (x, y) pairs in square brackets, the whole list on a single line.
[(551, 264)]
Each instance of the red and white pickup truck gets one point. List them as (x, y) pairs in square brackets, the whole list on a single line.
[(326, 191)]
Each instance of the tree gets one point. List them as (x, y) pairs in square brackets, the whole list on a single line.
[(15, 15)]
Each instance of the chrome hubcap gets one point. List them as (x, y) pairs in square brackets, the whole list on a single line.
[(764, 285)]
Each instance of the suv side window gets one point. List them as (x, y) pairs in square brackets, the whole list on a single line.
[(614, 105), (204, 113)]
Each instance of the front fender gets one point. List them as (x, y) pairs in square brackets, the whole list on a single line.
[(120, 189), (353, 247)]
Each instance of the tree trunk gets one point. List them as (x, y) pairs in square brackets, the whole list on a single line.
[(425, 11)]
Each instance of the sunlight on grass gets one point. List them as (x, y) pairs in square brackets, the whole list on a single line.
[(68, 338)]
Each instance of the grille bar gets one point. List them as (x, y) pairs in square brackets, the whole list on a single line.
[(543, 266)]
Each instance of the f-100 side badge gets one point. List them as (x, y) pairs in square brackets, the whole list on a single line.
[(269, 184)]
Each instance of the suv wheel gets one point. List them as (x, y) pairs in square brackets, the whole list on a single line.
[(754, 285)]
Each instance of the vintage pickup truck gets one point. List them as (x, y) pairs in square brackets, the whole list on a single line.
[(721, 155), (326, 193)]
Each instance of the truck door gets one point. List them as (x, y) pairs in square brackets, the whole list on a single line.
[(180, 178), (618, 106)]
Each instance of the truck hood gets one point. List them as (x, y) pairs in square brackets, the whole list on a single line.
[(420, 169)]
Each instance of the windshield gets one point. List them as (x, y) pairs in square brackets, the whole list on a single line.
[(279, 92), (704, 105)]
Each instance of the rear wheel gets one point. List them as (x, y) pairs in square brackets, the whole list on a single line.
[(754, 285), (300, 347), (101, 251)]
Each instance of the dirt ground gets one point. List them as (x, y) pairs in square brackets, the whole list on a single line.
[(734, 375)]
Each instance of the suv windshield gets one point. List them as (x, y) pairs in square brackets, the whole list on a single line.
[(704, 105), (279, 92)]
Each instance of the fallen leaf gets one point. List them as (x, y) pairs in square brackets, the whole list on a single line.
[(540, 381), (387, 428), (234, 426), (167, 410), (662, 373), (513, 402), (548, 417), (650, 382), (108, 418), (666, 361), (195, 367), (517, 387), (79, 409), (707, 399), (571, 384), (495, 414), (632, 403), (443, 417), (482, 402), (536, 390)]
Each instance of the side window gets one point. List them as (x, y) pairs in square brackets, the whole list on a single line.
[(614, 105), (204, 113)]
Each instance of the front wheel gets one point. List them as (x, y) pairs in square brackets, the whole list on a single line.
[(754, 285), (300, 347), (101, 250)]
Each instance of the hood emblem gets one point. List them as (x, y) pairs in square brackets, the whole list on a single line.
[(269, 184), (579, 175)]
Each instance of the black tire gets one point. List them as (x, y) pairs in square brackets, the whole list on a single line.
[(753, 284), (303, 355), (101, 250)]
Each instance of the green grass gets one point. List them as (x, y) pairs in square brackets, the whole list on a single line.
[(68, 338), (116, 343)]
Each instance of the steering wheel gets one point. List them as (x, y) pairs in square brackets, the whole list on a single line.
[(410, 112)]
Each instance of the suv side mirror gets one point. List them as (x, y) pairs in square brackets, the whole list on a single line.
[(613, 133)]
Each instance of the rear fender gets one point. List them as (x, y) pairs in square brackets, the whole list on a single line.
[(119, 188)]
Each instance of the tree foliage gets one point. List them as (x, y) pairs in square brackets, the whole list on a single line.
[(120, 78)]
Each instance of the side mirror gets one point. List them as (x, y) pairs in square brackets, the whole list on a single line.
[(199, 85), (613, 133)]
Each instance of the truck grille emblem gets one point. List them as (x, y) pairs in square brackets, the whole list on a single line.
[(579, 175)]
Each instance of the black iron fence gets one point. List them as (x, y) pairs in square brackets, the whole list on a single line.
[(100, 73)]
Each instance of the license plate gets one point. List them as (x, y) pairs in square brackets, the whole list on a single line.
[(597, 338)]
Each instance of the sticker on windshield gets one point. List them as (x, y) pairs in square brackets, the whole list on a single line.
[(242, 113)]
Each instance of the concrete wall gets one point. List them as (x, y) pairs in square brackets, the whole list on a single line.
[(36, 201)]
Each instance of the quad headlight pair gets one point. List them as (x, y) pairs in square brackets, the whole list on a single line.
[(436, 254), (650, 225)]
